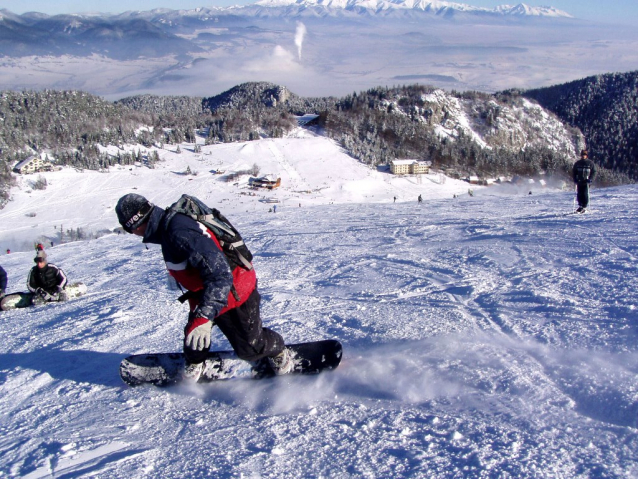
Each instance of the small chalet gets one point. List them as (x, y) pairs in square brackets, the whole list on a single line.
[(268, 182), (33, 164), (410, 167)]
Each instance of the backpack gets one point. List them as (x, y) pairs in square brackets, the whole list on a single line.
[(233, 246), (582, 173)]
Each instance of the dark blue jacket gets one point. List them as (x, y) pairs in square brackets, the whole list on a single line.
[(584, 171), (3, 280), (194, 259)]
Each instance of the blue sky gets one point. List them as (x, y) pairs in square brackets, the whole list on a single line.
[(610, 10)]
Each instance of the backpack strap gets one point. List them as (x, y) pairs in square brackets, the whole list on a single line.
[(211, 221), (247, 264)]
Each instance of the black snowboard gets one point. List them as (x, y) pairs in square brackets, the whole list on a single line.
[(16, 300), (25, 299), (163, 369)]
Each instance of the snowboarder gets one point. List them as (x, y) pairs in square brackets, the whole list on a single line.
[(420, 199), (46, 281), (3, 282), (584, 172), (216, 294)]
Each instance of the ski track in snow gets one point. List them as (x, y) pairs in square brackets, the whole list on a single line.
[(492, 336)]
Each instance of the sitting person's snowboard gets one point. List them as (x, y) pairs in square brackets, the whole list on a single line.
[(25, 299), (163, 369)]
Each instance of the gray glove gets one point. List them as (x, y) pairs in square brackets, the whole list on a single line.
[(198, 337), (43, 294), (63, 296)]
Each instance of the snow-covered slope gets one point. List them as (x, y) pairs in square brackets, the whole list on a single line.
[(313, 170), (485, 336)]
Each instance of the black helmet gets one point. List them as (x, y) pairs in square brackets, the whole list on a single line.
[(132, 211)]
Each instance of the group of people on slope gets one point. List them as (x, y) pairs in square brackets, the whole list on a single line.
[(46, 281)]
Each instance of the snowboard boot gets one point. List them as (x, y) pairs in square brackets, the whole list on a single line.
[(192, 372), (282, 363)]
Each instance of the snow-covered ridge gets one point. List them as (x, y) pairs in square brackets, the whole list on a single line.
[(435, 7), (516, 125)]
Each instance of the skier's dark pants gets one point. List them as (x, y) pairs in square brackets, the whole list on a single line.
[(582, 194), (242, 326)]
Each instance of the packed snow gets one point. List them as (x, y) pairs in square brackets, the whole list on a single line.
[(492, 335)]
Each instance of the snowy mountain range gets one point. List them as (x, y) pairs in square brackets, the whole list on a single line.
[(21, 34), (485, 336), (380, 7)]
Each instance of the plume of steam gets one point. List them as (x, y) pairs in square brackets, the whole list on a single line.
[(299, 34)]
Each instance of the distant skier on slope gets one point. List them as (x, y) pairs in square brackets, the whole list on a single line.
[(216, 294), (584, 172), (46, 281)]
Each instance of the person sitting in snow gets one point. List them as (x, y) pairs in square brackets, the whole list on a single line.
[(216, 294), (46, 281), (3, 282)]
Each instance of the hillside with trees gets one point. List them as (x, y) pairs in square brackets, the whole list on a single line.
[(467, 133), (605, 109), (473, 133)]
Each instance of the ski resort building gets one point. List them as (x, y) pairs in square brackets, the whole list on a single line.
[(33, 164), (410, 167), (268, 182)]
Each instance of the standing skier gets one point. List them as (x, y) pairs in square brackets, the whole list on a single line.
[(46, 281), (216, 294), (584, 172)]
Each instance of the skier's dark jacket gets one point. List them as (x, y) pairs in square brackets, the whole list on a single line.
[(3, 280), (579, 172), (194, 258), (50, 278)]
